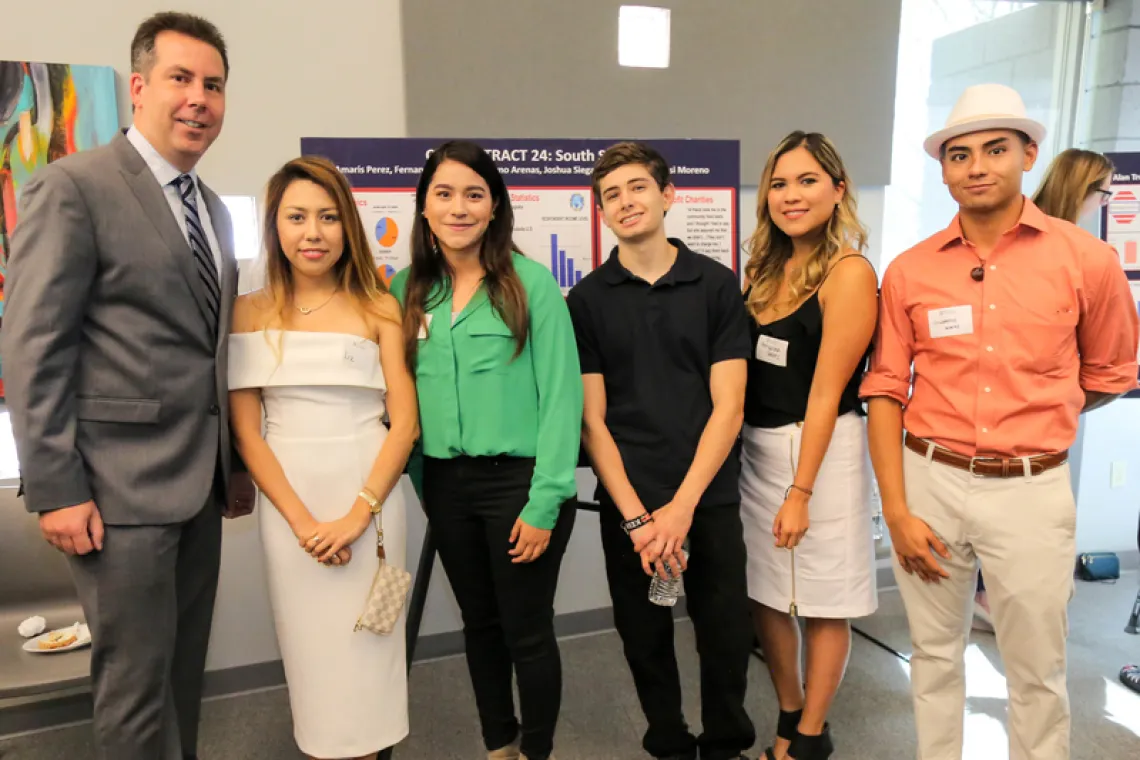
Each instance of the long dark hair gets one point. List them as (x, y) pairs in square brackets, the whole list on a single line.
[(430, 268)]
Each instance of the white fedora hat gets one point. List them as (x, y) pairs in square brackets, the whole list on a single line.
[(983, 107)]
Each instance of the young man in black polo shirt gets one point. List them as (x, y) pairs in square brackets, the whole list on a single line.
[(663, 340)]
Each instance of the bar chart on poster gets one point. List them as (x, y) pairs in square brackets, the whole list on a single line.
[(552, 225), (556, 220), (563, 267)]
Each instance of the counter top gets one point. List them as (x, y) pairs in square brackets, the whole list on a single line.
[(25, 674)]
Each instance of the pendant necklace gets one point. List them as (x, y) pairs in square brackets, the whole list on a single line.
[(308, 311)]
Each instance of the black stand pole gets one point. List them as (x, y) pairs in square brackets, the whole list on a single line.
[(416, 606), (1134, 618)]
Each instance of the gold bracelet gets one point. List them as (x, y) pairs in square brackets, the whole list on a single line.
[(374, 504), (801, 489)]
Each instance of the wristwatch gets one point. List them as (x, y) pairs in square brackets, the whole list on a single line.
[(630, 526), (374, 504)]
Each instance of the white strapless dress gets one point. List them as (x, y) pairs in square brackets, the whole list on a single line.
[(324, 404)]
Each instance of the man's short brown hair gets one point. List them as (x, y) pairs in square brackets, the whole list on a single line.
[(623, 154), (142, 46)]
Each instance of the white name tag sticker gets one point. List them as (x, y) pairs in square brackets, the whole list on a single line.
[(772, 351), (425, 327), (954, 320), (360, 353)]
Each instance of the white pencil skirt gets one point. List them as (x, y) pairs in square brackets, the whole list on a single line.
[(831, 574)]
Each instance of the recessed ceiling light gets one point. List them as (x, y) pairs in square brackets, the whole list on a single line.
[(643, 36)]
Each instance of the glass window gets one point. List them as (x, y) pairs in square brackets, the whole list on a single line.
[(247, 234), (946, 46)]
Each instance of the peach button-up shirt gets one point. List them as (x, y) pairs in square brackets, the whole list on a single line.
[(998, 368)]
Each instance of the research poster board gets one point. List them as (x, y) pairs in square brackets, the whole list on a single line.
[(1120, 221), (556, 219)]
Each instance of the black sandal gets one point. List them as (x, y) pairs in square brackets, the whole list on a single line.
[(785, 729), (812, 747)]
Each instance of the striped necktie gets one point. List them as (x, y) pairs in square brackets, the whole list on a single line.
[(199, 245)]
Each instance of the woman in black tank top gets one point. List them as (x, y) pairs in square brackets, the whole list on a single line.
[(805, 475)]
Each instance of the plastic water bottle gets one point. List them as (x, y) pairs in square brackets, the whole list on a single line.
[(876, 511), (663, 592)]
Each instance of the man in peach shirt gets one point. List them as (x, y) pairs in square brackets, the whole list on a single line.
[(994, 335)]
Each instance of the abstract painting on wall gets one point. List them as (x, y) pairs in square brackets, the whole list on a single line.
[(47, 110)]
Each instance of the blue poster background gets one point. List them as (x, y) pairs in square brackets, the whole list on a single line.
[(549, 179)]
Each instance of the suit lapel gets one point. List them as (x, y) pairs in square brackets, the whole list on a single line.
[(154, 204)]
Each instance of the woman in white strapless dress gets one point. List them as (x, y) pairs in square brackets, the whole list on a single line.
[(320, 349)]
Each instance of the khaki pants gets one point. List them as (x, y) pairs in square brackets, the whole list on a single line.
[(1022, 531)]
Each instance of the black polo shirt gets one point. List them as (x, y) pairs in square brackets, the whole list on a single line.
[(655, 346)]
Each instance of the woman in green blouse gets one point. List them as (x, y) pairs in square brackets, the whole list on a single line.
[(489, 339)]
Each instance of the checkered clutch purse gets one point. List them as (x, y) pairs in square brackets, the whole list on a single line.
[(386, 598)]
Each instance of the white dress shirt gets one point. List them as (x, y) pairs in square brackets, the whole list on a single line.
[(166, 173)]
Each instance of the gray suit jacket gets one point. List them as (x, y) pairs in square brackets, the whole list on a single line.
[(116, 389)]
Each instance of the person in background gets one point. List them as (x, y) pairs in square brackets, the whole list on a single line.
[(1075, 186), (120, 288), (663, 339), (489, 338), (805, 477), (321, 351), (994, 335)]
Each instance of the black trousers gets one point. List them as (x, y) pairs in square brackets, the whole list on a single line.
[(716, 591), (508, 609)]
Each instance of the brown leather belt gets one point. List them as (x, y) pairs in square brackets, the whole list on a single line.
[(986, 467)]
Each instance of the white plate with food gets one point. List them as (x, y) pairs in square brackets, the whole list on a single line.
[(59, 640)]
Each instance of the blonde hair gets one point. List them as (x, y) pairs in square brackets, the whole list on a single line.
[(769, 248), (355, 271), (1071, 178)]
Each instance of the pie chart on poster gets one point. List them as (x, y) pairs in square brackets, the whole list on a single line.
[(386, 272), (387, 232)]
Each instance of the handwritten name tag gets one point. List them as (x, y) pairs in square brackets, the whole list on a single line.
[(772, 351), (954, 320), (360, 352)]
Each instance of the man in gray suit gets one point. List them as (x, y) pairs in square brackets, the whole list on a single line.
[(121, 281)]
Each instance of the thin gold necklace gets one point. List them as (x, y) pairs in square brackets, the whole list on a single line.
[(307, 312)]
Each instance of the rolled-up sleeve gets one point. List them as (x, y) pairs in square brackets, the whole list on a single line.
[(1109, 330), (893, 348)]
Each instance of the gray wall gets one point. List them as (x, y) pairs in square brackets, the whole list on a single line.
[(751, 70), (1113, 82), (284, 81)]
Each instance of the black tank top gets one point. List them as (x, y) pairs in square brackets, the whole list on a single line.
[(778, 395)]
